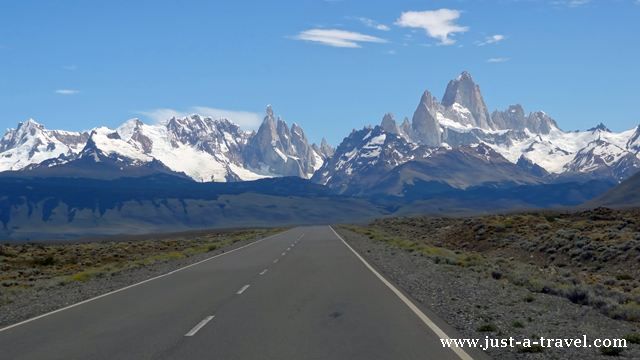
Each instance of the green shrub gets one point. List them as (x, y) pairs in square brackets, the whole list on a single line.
[(633, 338), (487, 328), (46, 261), (517, 324), (624, 277)]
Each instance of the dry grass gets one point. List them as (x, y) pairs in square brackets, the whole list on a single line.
[(590, 258), (23, 266)]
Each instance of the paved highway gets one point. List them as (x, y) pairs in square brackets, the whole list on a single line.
[(301, 294)]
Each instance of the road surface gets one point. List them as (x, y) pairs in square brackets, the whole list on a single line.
[(301, 294)]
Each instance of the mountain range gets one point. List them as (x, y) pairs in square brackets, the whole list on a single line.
[(207, 149), (202, 148), (453, 156), (457, 142)]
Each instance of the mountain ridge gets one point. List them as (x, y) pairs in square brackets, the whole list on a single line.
[(207, 149)]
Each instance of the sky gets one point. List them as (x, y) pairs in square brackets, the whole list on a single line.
[(329, 65)]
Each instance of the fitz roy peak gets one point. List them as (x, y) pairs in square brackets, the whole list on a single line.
[(202, 148), (532, 142)]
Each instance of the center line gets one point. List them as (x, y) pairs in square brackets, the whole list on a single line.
[(275, 261), (200, 325), (283, 254), (263, 271), (243, 289)]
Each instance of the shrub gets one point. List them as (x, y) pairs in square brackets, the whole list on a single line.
[(47, 261), (517, 324), (633, 338), (85, 275), (487, 328), (531, 349), (629, 312), (624, 277), (611, 351), (578, 295)]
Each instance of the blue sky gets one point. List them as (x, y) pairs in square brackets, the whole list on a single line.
[(329, 65)]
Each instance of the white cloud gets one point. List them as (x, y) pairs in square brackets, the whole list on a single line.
[(439, 24), (337, 38), (373, 24), (67, 91), (498, 60), (162, 114), (245, 119), (493, 39), (575, 3), (571, 3)]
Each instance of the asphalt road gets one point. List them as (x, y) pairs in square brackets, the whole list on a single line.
[(302, 294)]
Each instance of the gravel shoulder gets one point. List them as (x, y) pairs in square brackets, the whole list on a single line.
[(477, 304)]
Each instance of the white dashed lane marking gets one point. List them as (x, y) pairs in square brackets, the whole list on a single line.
[(200, 325), (242, 289)]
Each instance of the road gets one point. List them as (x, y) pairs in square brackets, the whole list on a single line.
[(301, 294)]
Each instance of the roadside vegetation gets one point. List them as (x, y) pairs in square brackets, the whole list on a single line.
[(27, 266), (589, 258)]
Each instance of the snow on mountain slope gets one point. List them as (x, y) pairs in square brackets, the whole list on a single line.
[(364, 156), (533, 142), (557, 149), (110, 143), (30, 143), (203, 148)]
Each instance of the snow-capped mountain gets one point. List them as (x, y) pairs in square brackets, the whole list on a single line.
[(277, 149), (30, 143), (207, 149), (532, 142), (364, 156), (203, 148)]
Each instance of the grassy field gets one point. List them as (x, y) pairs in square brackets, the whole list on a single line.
[(24, 266)]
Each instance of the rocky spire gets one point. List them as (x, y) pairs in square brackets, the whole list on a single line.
[(425, 126), (466, 93), (389, 124)]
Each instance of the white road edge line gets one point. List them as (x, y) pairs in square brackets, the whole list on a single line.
[(263, 272), (242, 289), (200, 325), (275, 261), (283, 254), (136, 284), (425, 319)]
